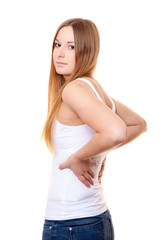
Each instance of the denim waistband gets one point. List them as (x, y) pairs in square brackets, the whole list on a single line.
[(77, 220)]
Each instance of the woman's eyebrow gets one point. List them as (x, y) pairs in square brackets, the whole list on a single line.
[(67, 42)]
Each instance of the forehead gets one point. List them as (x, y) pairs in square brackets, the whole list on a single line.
[(65, 34)]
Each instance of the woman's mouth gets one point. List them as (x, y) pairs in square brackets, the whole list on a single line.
[(61, 63)]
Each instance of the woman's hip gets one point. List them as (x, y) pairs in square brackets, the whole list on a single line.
[(99, 227)]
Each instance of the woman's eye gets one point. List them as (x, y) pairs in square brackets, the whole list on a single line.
[(71, 47), (57, 45)]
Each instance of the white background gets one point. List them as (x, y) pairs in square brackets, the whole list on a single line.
[(131, 69)]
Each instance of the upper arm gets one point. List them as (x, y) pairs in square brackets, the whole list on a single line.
[(90, 109), (125, 113), (129, 116)]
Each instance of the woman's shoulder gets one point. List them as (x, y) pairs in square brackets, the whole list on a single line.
[(71, 86)]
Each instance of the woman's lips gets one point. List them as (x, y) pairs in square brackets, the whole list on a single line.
[(61, 63)]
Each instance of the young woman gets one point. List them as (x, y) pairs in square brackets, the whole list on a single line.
[(83, 124)]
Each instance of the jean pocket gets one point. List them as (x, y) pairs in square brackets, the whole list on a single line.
[(47, 225), (46, 234), (47, 229), (90, 230)]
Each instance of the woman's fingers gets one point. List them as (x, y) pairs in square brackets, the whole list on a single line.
[(64, 165), (91, 172), (89, 178), (84, 181), (86, 178), (81, 168), (101, 170), (93, 163)]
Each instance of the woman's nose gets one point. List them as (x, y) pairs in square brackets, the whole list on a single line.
[(61, 52)]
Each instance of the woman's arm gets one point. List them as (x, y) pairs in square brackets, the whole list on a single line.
[(110, 130), (108, 136), (136, 125)]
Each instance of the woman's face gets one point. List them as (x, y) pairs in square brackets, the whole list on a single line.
[(64, 52)]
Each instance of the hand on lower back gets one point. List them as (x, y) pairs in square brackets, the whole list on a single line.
[(81, 168), (101, 170)]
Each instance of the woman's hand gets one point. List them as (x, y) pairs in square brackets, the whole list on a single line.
[(101, 170), (81, 168)]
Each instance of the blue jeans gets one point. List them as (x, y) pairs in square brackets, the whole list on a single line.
[(99, 227)]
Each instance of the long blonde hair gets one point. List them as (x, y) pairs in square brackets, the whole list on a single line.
[(87, 45)]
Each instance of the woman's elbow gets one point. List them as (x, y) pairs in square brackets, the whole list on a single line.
[(143, 126), (119, 136)]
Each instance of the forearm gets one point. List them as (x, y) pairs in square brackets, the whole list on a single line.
[(133, 132), (135, 124), (98, 144)]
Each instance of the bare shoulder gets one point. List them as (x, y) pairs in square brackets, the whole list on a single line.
[(76, 87), (83, 101)]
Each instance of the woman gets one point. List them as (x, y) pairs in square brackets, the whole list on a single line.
[(83, 124)]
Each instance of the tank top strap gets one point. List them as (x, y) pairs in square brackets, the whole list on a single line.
[(96, 93), (93, 88), (113, 104)]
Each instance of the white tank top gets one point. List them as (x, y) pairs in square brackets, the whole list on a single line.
[(68, 197)]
